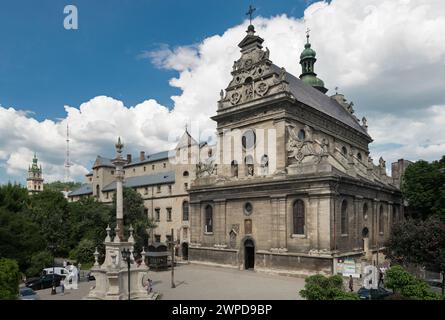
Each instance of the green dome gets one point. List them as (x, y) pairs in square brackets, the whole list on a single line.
[(307, 52), (312, 81)]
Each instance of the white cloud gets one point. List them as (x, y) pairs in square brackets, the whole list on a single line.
[(387, 56)]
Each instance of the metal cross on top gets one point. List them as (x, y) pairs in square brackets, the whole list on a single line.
[(250, 12), (307, 34)]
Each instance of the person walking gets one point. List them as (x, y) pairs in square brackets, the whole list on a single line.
[(351, 283), (380, 278)]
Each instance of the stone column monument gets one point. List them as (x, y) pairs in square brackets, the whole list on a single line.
[(112, 275)]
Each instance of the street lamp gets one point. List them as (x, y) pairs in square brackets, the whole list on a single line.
[(126, 255), (52, 247)]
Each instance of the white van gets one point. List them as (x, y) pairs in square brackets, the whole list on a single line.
[(57, 270)]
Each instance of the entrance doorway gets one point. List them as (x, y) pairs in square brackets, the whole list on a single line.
[(185, 251), (249, 254)]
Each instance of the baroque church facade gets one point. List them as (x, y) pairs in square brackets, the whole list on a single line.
[(289, 187), (311, 198)]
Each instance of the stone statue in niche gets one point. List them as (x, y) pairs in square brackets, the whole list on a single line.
[(206, 168)]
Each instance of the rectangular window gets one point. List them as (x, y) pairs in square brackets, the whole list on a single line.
[(157, 238), (145, 190), (152, 167), (112, 172), (186, 186), (164, 164), (169, 214), (158, 214), (170, 188), (145, 169), (158, 189)]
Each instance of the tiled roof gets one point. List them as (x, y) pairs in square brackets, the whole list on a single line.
[(83, 190), (319, 101), (146, 180)]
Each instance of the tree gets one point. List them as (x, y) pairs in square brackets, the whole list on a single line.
[(134, 215), (39, 261), (13, 197), (419, 242), (423, 186), (83, 253), (49, 209), (319, 287), (88, 219), (403, 282), (9, 279), (19, 237)]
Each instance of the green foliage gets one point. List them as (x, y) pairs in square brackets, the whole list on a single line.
[(134, 215), (408, 286), (419, 242), (9, 279), (19, 237), (319, 287), (83, 253), (58, 186), (88, 220), (49, 210), (423, 187), (13, 197), (39, 261)]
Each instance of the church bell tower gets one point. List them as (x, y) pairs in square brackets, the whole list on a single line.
[(34, 182)]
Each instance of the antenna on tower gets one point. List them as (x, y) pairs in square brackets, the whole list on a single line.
[(67, 157)]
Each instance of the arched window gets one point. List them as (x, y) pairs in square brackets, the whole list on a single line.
[(365, 211), (301, 134), (234, 168), (381, 220), (248, 162), (185, 174), (344, 217), (97, 190), (208, 219), (298, 217), (265, 164), (248, 139), (344, 151), (359, 156), (185, 211)]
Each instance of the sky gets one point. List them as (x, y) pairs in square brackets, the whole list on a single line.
[(143, 69)]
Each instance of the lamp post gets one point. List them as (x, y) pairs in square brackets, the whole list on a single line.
[(172, 244), (126, 255), (52, 247)]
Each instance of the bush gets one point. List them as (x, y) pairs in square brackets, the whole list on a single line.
[(84, 251), (407, 286), (39, 261), (319, 287), (9, 279)]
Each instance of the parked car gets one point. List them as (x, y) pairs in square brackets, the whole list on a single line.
[(373, 294), (28, 294), (57, 270), (435, 285), (44, 281)]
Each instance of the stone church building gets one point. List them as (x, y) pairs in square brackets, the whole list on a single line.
[(290, 186), (311, 198)]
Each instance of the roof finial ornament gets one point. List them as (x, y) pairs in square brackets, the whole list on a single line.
[(307, 34), (250, 12), (336, 90), (186, 127)]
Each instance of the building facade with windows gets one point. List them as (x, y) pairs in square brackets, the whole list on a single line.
[(296, 189), (162, 180)]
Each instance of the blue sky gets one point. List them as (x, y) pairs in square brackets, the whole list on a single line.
[(43, 66), (143, 69)]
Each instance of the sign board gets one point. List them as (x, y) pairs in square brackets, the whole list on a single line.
[(348, 267)]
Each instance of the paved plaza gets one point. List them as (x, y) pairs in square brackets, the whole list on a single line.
[(197, 282)]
